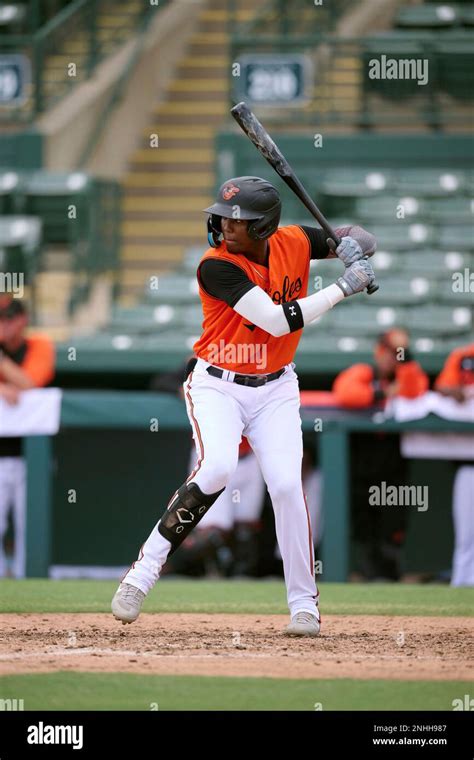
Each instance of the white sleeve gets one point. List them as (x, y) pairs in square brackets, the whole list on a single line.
[(258, 308)]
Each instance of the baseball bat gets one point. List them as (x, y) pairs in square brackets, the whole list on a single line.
[(270, 151)]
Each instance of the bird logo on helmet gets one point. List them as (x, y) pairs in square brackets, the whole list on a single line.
[(228, 191), (258, 203)]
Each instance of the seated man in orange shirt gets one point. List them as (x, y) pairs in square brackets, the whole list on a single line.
[(457, 381), (25, 362), (378, 532), (395, 373)]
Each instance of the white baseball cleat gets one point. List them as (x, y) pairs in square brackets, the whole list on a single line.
[(304, 624), (127, 603)]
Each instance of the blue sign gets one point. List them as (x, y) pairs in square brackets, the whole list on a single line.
[(15, 78)]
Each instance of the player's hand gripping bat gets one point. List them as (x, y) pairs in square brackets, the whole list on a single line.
[(265, 145)]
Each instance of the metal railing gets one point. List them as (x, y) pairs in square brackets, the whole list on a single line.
[(346, 88), (66, 50)]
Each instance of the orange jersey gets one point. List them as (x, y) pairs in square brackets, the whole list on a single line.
[(228, 340), (39, 359), (458, 369), (353, 387)]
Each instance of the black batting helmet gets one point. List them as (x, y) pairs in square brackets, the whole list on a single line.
[(249, 198)]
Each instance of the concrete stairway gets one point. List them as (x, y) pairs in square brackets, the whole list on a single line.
[(169, 184)]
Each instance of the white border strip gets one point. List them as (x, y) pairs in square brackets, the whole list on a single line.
[(58, 572)]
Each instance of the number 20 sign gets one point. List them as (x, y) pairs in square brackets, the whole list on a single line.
[(273, 79)]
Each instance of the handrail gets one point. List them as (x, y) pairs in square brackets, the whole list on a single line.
[(80, 15), (60, 18)]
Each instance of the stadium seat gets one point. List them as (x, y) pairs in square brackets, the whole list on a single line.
[(323, 342), (20, 230), (428, 16), (12, 16), (10, 184), (457, 237), (458, 289), (452, 209), (429, 345), (173, 287), (192, 317), (20, 244), (437, 321), (428, 182), (467, 16), (455, 71), (356, 182), (362, 319), (403, 235), (390, 207), (192, 257), (386, 263), (181, 339), (142, 318), (434, 264), (404, 290), (49, 194)]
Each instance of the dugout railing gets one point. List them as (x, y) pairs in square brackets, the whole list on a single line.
[(148, 473)]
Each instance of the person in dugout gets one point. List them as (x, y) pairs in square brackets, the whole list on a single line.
[(26, 361), (456, 380), (378, 534)]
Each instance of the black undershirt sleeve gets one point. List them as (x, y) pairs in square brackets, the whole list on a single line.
[(317, 240), (224, 280)]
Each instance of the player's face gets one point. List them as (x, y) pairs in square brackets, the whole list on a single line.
[(386, 361), (236, 236), (11, 329)]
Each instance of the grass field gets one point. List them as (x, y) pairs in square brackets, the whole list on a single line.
[(81, 604), (254, 597)]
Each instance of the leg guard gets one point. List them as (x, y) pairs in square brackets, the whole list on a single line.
[(185, 511)]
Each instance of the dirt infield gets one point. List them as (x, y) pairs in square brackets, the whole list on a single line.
[(408, 648)]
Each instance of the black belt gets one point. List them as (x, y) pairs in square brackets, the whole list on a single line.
[(253, 380)]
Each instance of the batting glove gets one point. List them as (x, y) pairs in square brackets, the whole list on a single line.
[(349, 250), (356, 278)]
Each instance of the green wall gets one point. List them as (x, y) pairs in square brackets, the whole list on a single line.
[(124, 479), (22, 150)]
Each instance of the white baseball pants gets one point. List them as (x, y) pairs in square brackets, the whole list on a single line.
[(221, 412), (242, 499), (463, 517), (13, 496)]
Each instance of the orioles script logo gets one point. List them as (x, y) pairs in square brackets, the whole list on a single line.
[(288, 290), (229, 191)]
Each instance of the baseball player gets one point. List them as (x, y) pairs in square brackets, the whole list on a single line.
[(26, 361), (456, 380), (253, 283)]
